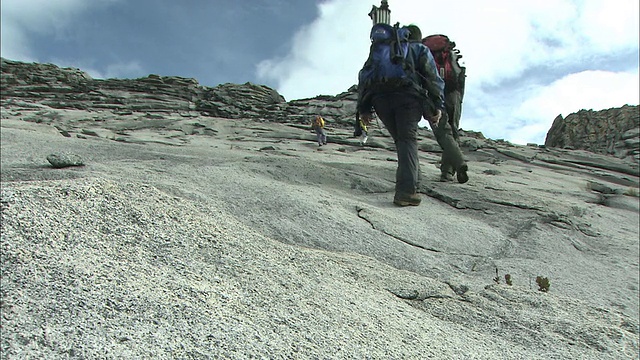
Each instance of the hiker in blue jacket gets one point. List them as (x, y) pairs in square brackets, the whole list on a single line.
[(401, 108)]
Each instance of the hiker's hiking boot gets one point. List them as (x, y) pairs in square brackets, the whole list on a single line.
[(407, 199), (462, 174), (446, 177)]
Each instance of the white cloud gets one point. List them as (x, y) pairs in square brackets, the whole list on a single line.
[(21, 18), (523, 57), (587, 90), (120, 70), (124, 70), (528, 112), (14, 42), (502, 41), (323, 57)]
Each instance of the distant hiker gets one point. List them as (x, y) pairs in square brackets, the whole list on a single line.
[(318, 126), (400, 81), (446, 57), (360, 130)]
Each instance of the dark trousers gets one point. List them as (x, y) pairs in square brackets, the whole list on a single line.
[(452, 157), (400, 114)]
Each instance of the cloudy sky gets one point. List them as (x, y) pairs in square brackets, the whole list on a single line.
[(527, 61)]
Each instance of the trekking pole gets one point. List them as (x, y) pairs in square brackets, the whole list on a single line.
[(378, 122)]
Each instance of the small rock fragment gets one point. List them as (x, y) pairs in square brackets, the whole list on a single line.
[(63, 160)]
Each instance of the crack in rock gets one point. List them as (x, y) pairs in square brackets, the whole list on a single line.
[(408, 242), (359, 210), (417, 295)]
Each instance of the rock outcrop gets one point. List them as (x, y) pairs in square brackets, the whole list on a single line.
[(614, 131), (70, 88), (157, 218), (63, 97)]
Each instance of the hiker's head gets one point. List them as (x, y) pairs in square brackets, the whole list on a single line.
[(414, 33)]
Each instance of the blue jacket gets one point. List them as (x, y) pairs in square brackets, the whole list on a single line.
[(428, 73), (426, 77)]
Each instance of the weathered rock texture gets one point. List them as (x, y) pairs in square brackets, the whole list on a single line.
[(69, 88), (614, 131), (192, 236)]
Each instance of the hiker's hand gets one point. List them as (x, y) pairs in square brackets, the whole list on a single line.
[(366, 118), (434, 119)]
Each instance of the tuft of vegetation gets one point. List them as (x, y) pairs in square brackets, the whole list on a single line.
[(543, 284), (497, 278), (507, 279), (632, 191)]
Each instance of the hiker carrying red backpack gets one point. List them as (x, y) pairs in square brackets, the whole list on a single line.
[(446, 57), (400, 82)]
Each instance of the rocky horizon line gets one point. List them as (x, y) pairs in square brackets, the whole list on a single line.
[(613, 131)]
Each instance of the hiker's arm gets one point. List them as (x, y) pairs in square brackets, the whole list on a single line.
[(432, 82), (364, 104)]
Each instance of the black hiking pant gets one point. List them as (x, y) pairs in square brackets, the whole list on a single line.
[(400, 114)]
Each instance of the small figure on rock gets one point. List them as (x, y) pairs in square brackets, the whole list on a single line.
[(318, 126)]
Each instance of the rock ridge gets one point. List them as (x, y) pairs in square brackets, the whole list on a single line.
[(70, 88), (614, 131), (152, 223)]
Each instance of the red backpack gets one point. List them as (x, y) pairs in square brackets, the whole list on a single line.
[(446, 56)]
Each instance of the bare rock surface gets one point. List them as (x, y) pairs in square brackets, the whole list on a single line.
[(208, 237), (614, 131)]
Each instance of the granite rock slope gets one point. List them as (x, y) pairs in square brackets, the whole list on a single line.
[(187, 235)]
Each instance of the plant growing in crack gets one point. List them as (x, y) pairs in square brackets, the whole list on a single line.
[(543, 283), (632, 191), (507, 279)]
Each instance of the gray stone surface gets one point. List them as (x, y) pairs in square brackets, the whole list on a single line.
[(63, 160), (192, 236), (612, 131)]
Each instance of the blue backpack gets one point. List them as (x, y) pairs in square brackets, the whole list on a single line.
[(388, 67)]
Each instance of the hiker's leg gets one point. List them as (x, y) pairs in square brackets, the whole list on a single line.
[(446, 168), (452, 156), (400, 114), (453, 104), (319, 136), (385, 111), (409, 113)]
